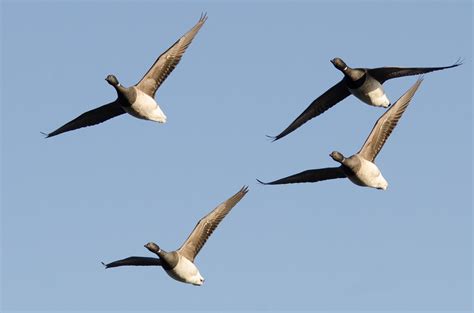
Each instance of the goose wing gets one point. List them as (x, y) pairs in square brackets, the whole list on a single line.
[(328, 99), (168, 60), (207, 225), (383, 74), (386, 123), (134, 261), (90, 118), (310, 176)]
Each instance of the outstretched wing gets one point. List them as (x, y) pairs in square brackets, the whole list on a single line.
[(92, 117), (207, 225), (167, 61), (328, 99), (134, 261), (310, 176), (386, 123), (383, 74)]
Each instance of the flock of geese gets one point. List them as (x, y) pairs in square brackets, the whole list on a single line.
[(364, 83)]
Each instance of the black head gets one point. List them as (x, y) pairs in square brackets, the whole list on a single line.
[(337, 156), (339, 64), (111, 79), (153, 247)]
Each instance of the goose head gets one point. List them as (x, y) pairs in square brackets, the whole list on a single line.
[(339, 64), (153, 247), (337, 156), (112, 80)]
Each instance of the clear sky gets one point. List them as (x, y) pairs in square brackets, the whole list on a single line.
[(101, 193)]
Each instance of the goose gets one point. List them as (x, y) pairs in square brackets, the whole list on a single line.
[(179, 264), (137, 100), (364, 83), (360, 167)]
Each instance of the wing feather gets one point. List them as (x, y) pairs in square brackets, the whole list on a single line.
[(383, 74), (134, 261), (206, 226), (310, 176), (386, 123), (327, 100), (90, 118), (168, 60)]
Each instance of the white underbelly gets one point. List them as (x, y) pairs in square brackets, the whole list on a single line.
[(145, 107), (369, 175), (185, 271), (372, 93)]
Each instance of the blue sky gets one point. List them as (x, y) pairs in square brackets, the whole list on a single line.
[(99, 194)]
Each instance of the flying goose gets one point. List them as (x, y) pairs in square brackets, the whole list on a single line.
[(137, 100), (364, 83), (179, 264), (360, 167)]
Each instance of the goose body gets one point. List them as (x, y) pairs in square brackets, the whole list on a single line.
[(145, 107), (371, 92), (185, 271), (367, 174)]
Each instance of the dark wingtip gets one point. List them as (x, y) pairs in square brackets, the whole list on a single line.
[(105, 265), (458, 62), (244, 189), (45, 135), (261, 182), (272, 138)]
